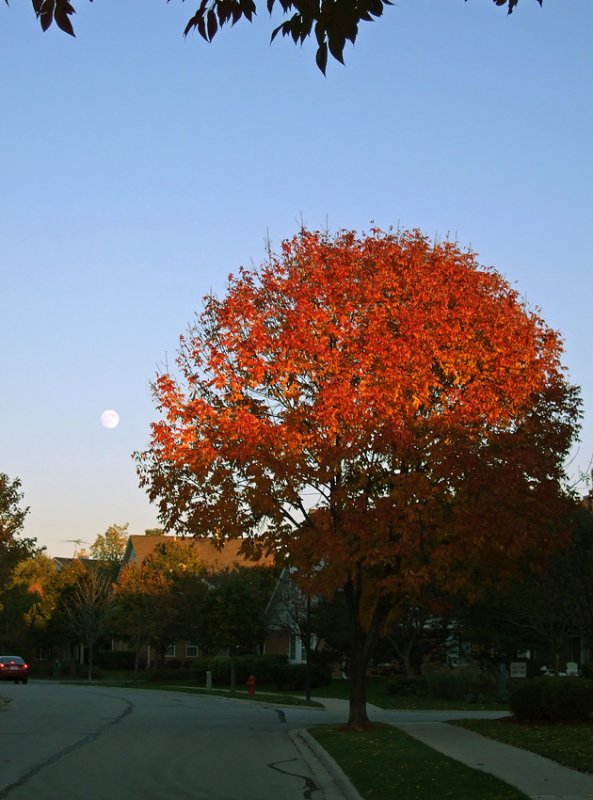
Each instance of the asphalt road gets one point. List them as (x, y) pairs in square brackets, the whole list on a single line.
[(65, 742)]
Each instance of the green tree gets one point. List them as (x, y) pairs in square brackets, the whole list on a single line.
[(234, 615), (583, 574), (84, 606), (240, 599), (28, 603), (332, 23), (14, 548), (160, 600), (418, 631), (136, 604), (548, 603), (109, 547)]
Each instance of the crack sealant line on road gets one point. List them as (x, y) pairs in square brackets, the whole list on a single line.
[(333, 782), (90, 737)]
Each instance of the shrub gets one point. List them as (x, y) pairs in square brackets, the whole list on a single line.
[(526, 700), (569, 699), (198, 669), (553, 699), (460, 683), (167, 673), (293, 677), (406, 687), (469, 684), (116, 659), (263, 667)]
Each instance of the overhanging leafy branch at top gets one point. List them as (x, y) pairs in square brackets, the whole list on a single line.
[(332, 22)]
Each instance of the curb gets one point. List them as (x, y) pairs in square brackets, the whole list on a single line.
[(332, 781)]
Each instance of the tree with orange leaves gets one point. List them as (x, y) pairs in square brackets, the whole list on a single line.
[(379, 411)]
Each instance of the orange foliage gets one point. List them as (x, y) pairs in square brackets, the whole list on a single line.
[(372, 405)]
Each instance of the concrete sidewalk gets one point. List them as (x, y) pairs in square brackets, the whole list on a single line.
[(535, 776)]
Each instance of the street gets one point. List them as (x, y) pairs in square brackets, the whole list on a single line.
[(101, 743)]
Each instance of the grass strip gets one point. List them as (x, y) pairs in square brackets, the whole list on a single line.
[(384, 763), (570, 744), (378, 695), (259, 697)]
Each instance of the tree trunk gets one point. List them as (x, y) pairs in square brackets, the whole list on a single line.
[(364, 639), (233, 676), (308, 651), (90, 665), (406, 655), (137, 658), (357, 714)]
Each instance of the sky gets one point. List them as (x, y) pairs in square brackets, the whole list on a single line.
[(138, 168)]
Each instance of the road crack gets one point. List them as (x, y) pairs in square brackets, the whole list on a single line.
[(309, 784), (90, 737)]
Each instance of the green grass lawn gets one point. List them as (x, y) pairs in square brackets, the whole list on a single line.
[(261, 696), (377, 696), (277, 698), (387, 764), (376, 693), (570, 744)]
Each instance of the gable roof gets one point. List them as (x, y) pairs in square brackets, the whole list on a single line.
[(214, 559), (62, 561)]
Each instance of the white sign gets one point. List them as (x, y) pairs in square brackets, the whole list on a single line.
[(518, 669)]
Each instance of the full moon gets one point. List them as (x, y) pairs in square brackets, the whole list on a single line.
[(110, 418)]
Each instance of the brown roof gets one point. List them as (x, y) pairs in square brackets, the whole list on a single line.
[(63, 561), (139, 547)]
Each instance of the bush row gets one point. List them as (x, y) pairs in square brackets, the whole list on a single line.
[(115, 659), (220, 666), (468, 684), (293, 677), (268, 670), (553, 700)]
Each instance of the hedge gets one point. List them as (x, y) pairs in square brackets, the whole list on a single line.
[(116, 659), (293, 677), (553, 700), (263, 667), (460, 683)]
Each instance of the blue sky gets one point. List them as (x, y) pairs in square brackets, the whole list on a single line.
[(138, 168)]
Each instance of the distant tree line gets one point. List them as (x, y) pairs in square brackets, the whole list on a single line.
[(54, 608)]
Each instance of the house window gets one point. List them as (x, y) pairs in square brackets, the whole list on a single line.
[(191, 649), (296, 650), (170, 651)]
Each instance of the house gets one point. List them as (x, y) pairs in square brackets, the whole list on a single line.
[(284, 613)]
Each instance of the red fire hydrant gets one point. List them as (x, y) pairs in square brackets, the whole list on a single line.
[(250, 683)]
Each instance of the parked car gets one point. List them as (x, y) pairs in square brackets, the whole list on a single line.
[(14, 668)]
